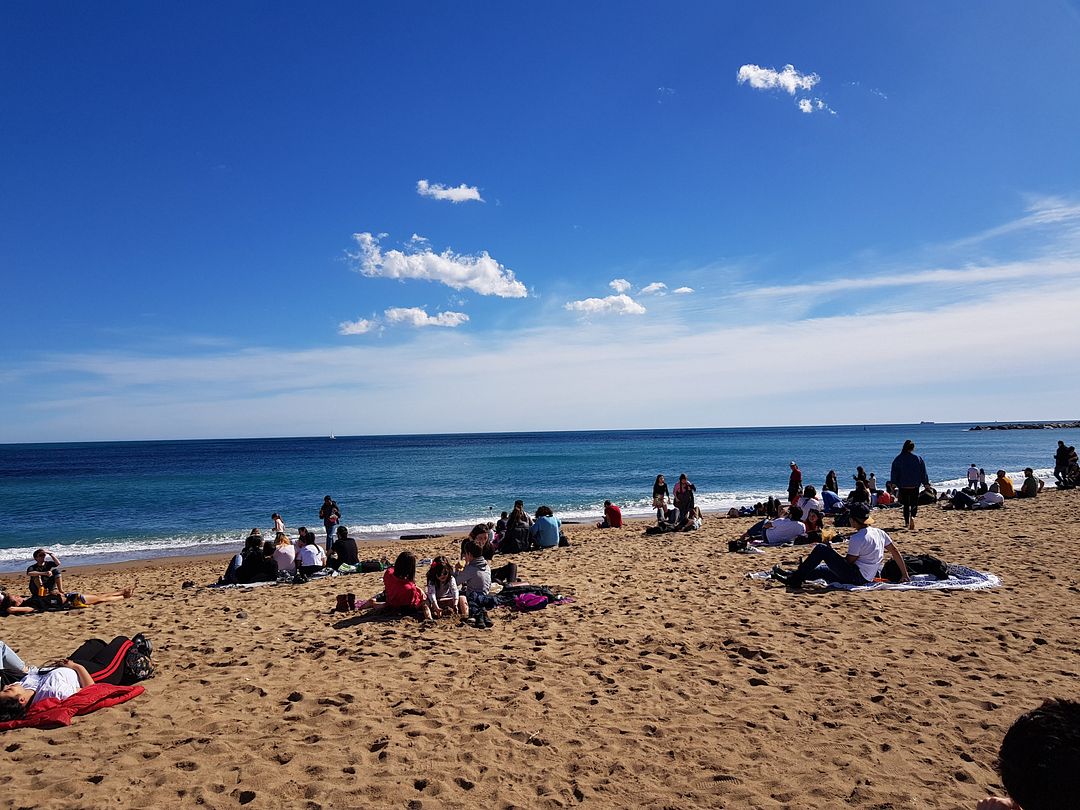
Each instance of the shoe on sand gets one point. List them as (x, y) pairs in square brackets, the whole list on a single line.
[(342, 603)]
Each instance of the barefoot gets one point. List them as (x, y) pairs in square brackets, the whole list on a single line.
[(127, 593)]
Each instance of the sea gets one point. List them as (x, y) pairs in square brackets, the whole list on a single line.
[(103, 502)]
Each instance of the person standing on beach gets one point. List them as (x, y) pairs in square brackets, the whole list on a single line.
[(279, 524), (1061, 461), (684, 495), (330, 515), (831, 484), (909, 473), (794, 486), (660, 494), (973, 477)]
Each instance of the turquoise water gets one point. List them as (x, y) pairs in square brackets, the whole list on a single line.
[(97, 502)]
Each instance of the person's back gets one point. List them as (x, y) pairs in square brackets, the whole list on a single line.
[(545, 531), (285, 558), (784, 530), (908, 470), (475, 577), (401, 593), (345, 551), (613, 516)]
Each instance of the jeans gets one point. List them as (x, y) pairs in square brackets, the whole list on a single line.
[(839, 567), (909, 499), (12, 666)]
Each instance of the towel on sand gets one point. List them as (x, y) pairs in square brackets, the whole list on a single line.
[(961, 578)]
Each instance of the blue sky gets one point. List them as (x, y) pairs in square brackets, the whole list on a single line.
[(211, 221)]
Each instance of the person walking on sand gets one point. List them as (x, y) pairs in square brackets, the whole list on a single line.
[(330, 515), (794, 486), (909, 473)]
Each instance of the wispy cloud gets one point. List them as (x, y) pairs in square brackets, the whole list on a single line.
[(454, 194), (663, 94), (359, 327), (683, 290), (415, 316), (619, 285), (479, 273), (655, 288), (788, 79), (610, 305)]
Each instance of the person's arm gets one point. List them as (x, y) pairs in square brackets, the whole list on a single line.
[(899, 558), (85, 679), (19, 610), (54, 558)]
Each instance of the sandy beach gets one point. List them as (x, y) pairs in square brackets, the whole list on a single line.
[(671, 681)]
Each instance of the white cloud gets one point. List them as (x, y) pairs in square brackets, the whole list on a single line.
[(455, 194), (479, 273), (809, 105), (619, 285), (415, 316), (611, 305), (789, 79), (683, 290), (360, 327), (657, 287)]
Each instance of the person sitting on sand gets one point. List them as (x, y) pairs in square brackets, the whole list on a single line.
[(779, 531), (1039, 760), (310, 558), (810, 500), (442, 589), (504, 574), (12, 605), (400, 593), (1005, 485), (252, 548), (45, 575), (284, 554), (884, 497), (862, 564), (544, 533), (860, 494), (1032, 486), (344, 550), (612, 517), (692, 522), (475, 578)]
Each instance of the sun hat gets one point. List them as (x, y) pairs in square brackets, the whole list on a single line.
[(861, 512)]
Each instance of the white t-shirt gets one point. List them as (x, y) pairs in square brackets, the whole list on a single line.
[(973, 475), (311, 555), (61, 683), (784, 530), (868, 547), (991, 499), (806, 504), (285, 557)]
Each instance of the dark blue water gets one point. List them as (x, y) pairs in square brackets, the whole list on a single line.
[(96, 502)]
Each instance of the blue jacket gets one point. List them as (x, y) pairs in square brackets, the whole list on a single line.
[(909, 470), (545, 532)]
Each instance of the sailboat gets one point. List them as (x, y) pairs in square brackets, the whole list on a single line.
[(332, 436)]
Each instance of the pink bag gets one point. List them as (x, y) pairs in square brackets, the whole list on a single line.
[(530, 601)]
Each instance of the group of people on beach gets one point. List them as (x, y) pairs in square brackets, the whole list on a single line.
[(46, 591), (676, 512)]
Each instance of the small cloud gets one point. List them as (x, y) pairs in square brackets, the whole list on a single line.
[(455, 194), (656, 288), (619, 285), (360, 327), (809, 105), (683, 290), (479, 273), (879, 93), (789, 79), (663, 94), (415, 316), (610, 305)]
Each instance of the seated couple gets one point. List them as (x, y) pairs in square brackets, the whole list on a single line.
[(991, 499), (672, 519), (862, 564)]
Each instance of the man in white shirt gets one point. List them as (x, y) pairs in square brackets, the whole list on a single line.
[(973, 477), (990, 500), (865, 554)]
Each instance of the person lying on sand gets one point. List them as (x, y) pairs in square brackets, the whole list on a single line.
[(866, 553), (779, 531), (17, 605), (1039, 760)]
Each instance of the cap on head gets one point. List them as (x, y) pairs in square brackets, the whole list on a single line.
[(860, 512)]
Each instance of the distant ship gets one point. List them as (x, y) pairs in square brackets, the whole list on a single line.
[(921, 423)]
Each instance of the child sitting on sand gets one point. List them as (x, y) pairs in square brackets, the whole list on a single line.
[(400, 593), (442, 589), (475, 578)]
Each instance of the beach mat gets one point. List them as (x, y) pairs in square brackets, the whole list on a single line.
[(961, 578)]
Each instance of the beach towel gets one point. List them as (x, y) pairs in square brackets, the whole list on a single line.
[(53, 713), (961, 578)]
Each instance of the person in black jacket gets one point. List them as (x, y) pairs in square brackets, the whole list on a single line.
[(909, 473), (344, 550)]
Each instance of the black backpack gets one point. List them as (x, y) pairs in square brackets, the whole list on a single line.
[(916, 564)]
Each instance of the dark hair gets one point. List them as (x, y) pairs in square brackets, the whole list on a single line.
[(795, 513), (39, 553), (343, 531), (327, 498), (1039, 760), (503, 516), (471, 548), (268, 549), (11, 708), (275, 516), (6, 603), (810, 491), (477, 530), (303, 530), (909, 445), (544, 511), (439, 566), (607, 503), (405, 566)]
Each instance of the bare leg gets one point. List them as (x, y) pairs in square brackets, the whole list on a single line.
[(462, 606)]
